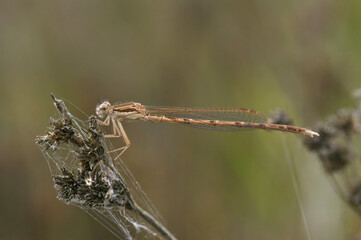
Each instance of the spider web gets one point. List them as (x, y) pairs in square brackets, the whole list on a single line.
[(84, 175)]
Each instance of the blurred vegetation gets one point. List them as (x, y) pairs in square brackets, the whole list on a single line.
[(301, 56)]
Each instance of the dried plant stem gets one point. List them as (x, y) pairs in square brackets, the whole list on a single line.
[(153, 222)]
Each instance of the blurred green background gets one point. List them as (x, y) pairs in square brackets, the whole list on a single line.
[(301, 56)]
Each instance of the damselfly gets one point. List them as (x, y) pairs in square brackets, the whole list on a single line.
[(221, 119)]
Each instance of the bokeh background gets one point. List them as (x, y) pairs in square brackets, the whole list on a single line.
[(301, 56)]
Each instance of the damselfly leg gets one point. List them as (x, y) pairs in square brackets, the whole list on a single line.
[(118, 132)]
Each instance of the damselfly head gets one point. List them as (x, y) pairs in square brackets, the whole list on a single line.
[(102, 110)]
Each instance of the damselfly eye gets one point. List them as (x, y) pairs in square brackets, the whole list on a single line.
[(102, 110)]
